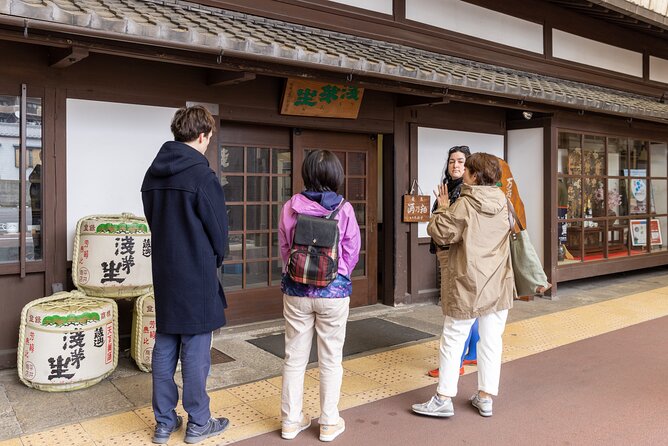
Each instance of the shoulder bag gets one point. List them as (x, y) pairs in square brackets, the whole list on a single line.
[(530, 279)]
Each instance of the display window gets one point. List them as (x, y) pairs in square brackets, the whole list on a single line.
[(612, 197)]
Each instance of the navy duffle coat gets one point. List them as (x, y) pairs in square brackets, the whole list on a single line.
[(185, 208)]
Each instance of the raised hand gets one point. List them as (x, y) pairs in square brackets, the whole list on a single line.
[(441, 194)]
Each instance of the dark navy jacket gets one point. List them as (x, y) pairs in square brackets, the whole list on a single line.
[(185, 208)]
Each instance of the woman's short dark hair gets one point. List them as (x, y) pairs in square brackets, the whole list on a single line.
[(322, 171), (189, 122), (486, 167)]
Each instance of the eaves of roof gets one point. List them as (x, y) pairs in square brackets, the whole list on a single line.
[(649, 11), (181, 24)]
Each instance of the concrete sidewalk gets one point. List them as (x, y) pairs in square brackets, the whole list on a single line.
[(25, 411)]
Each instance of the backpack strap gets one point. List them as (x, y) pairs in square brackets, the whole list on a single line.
[(336, 211)]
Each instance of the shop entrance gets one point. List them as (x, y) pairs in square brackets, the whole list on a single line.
[(260, 168), (358, 155)]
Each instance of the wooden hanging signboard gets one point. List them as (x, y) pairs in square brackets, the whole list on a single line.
[(323, 99), (416, 207)]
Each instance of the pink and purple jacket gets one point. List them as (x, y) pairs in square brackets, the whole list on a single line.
[(349, 231)]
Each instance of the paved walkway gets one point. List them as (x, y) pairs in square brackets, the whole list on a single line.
[(117, 410)]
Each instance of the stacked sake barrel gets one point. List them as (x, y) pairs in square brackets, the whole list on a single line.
[(112, 254), (67, 341), (143, 331)]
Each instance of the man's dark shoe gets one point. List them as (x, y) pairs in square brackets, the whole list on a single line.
[(162, 432), (215, 426)]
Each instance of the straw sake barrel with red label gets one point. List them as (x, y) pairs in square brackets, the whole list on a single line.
[(143, 331), (112, 256), (67, 341)]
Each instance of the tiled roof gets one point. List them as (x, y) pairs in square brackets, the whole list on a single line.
[(175, 22), (658, 6)]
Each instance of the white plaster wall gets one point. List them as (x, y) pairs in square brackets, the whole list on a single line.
[(465, 18), (383, 6), (658, 69), (525, 158), (590, 52), (433, 146), (109, 148)]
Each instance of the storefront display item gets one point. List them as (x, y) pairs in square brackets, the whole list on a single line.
[(143, 331), (67, 341), (112, 256)]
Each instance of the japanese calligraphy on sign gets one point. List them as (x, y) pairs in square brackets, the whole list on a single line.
[(416, 208), (311, 98)]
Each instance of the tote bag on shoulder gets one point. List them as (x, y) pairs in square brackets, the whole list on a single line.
[(527, 268)]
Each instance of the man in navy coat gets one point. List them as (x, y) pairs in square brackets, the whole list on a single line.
[(185, 208)]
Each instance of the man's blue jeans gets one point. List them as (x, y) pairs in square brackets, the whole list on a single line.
[(194, 351)]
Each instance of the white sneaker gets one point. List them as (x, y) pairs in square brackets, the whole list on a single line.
[(484, 405), (435, 407), (290, 430), (328, 432)]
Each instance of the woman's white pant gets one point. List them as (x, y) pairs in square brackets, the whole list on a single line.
[(490, 349)]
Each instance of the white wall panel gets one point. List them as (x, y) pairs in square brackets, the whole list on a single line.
[(465, 18), (433, 146), (382, 6), (525, 158), (109, 148), (658, 69), (590, 52)]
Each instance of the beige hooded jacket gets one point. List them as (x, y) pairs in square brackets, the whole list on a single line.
[(480, 274)]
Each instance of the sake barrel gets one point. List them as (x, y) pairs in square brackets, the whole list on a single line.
[(67, 341), (112, 256), (143, 331)]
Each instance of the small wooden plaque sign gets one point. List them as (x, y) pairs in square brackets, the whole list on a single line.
[(327, 100), (416, 208)]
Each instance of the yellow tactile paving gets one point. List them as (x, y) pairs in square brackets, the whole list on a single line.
[(310, 379), (239, 415), (220, 399), (113, 425), (74, 435), (254, 391), (254, 408), (270, 406)]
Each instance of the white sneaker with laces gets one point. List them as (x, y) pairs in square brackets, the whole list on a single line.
[(484, 405), (435, 407)]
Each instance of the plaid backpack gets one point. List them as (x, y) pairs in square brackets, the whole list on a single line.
[(314, 254)]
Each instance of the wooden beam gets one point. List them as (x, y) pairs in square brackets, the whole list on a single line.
[(68, 56), (405, 101), (217, 78)]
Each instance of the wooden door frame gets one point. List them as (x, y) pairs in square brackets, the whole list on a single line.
[(337, 141)]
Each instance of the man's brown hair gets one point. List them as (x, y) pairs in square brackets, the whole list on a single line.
[(189, 122), (486, 168)]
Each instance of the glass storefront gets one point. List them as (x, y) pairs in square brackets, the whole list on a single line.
[(11, 176), (612, 199), (257, 181)]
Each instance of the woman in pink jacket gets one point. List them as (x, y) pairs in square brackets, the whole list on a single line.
[(309, 308)]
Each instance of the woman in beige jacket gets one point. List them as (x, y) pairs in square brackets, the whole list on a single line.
[(480, 282)]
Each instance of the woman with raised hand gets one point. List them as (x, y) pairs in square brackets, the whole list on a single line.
[(452, 177), (480, 282)]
